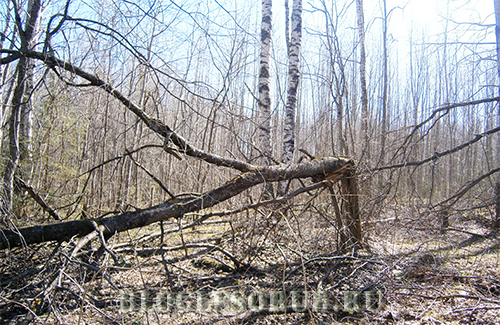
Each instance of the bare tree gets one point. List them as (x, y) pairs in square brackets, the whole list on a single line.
[(5, 86), (338, 88), (385, 84), (22, 91), (147, 115)]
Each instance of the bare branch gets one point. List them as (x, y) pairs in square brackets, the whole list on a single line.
[(267, 202), (446, 109), (453, 199), (11, 58), (129, 152), (154, 124), (437, 155), (38, 199)]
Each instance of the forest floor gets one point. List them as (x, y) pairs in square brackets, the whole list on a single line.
[(408, 273)]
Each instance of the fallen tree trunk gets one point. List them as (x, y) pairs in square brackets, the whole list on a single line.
[(175, 208), (318, 169)]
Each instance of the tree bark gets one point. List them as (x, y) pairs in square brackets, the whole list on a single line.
[(318, 169), (353, 220), (13, 158), (264, 93), (365, 153), (25, 116), (293, 86), (497, 33), (5, 87), (445, 220)]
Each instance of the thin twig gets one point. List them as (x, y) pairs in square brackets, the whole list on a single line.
[(22, 305), (476, 308), (129, 152)]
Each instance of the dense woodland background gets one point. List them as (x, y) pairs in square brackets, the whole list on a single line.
[(195, 66), (423, 134)]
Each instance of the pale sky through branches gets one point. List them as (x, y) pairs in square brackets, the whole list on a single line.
[(430, 16)]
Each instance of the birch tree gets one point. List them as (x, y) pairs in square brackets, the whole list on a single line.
[(294, 46), (362, 72), (264, 89), (497, 33)]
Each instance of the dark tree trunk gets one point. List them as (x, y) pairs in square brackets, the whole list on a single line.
[(353, 220)]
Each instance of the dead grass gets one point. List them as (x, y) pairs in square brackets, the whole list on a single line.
[(425, 277)]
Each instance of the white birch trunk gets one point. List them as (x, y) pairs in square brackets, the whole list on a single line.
[(264, 92), (362, 72), (293, 86), (497, 33)]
